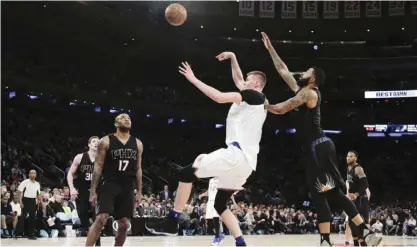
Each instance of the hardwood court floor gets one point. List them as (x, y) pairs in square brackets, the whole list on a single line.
[(253, 240)]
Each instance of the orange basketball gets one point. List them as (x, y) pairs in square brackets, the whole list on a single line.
[(176, 14)]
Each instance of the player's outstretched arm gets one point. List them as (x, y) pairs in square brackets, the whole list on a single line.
[(211, 92), (70, 176), (103, 146), (280, 66), (139, 171), (304, 96), (236, 71)]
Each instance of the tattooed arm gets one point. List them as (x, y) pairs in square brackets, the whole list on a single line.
[(280, 66), (103, 146), (305, 96), (139, 171), (363, 181)]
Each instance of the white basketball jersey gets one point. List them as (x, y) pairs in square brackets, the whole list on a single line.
[(212, 189), (244, 125)]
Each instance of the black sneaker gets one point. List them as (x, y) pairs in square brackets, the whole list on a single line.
[(32, 238), (241, 244), (167, 227)]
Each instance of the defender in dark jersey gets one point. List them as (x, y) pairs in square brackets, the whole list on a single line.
[(319, 152), (79, 179), (358, 192), (117, 168)]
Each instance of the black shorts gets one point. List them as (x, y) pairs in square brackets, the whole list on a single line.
[(362, 205), (322, 166), (83, 200), (116, 199)]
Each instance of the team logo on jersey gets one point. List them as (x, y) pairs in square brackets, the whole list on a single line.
[(87, 168), (124, 153), (326, 186)]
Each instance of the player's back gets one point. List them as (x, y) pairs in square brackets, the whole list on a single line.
[(308, 122), (120, 164)]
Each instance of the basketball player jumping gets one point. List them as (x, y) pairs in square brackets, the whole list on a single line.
[(79, 180), (118, 165), (231, 165), (323, 176), (358, 192), (211, 214)]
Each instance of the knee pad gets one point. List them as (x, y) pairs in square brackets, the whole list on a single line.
[(221, 200), (187, 174)]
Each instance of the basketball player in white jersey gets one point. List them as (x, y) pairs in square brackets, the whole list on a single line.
[(231, 165), (211, 213)]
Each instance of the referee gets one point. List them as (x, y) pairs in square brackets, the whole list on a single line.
[(28, 191)]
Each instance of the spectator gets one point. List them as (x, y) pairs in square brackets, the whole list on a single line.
[(165, 194), (6, 215), (377, 226), (47, 220)]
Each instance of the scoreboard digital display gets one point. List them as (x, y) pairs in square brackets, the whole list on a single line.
[(391, 129)]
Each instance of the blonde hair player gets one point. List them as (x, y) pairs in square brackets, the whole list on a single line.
[(231, 165)]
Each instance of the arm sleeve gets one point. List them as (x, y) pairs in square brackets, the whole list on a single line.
[(252, 97)]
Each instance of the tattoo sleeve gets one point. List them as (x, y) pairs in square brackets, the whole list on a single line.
[(360, 172), (289, 105), (282, 69), (139, 171), (98, 164)]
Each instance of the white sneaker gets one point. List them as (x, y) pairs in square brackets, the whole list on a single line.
[(373, 239)]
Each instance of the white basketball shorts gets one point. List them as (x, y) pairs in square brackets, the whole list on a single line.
[(229, 165)]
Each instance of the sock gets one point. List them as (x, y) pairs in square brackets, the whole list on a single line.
[(355, 242), (98, 241), (216, 222), (174, 215), (347, 243), (325, 237), (240, 240)]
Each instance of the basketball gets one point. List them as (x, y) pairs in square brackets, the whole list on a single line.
[(176, 14)]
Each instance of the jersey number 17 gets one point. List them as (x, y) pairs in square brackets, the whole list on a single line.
[(123, 165)]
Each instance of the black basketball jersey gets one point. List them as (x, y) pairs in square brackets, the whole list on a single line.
[(84, 172), (353, 180), (121, 160), (308, 122)]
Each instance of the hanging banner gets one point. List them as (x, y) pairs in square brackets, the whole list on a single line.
[(352, 9), (246, 8), (288, 9), (310, 10), (413, 8), (396, 8), (267, 9), (330, 10), (373, 9)]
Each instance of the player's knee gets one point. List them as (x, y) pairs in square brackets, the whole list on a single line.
[(123, 224), (187, 174), (101, 219), (220, 202)]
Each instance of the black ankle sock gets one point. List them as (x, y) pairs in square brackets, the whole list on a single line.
[(355, 242), (363, 243), (216, 222)]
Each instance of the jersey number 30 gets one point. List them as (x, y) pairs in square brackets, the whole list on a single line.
[(123, 165)]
